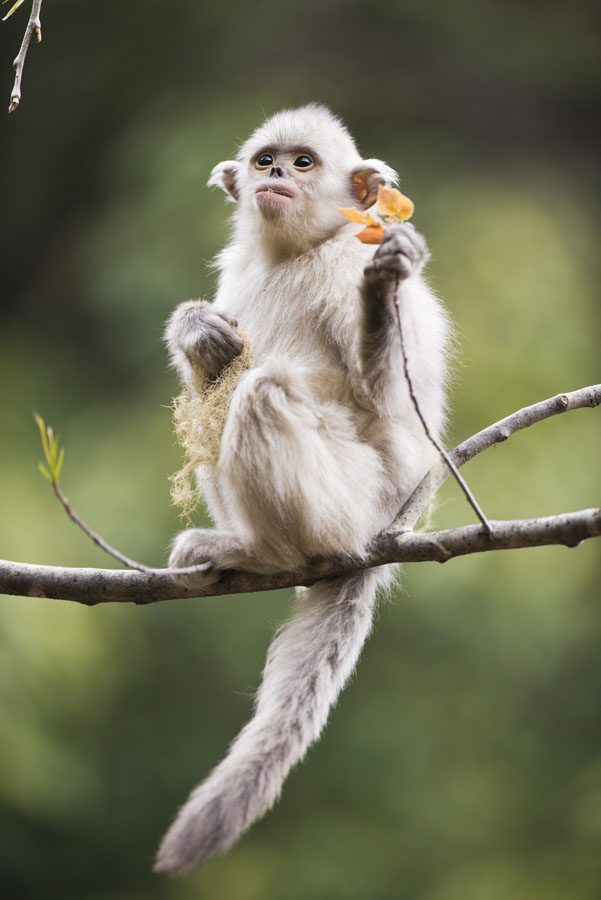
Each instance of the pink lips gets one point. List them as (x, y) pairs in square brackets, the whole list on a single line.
[(273, 195)]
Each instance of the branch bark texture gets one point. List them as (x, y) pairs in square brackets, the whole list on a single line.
[(394, 545)]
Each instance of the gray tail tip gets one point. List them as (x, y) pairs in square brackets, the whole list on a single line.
[(186, 846), (163, 865), (171, 858), (198, 833), (167, 863)]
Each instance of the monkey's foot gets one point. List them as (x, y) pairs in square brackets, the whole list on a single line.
[(401, 254), (213, 551)]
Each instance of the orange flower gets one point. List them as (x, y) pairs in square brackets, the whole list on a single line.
[(392, 203), (373, 234), (358, 217)]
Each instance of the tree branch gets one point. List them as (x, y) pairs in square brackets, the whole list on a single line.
[(34, 26), (394, 545), (93, 586), (417, 503)]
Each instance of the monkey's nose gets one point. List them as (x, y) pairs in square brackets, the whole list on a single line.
[(276, 172)]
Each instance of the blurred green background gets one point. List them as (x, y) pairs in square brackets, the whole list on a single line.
[(464, 760)]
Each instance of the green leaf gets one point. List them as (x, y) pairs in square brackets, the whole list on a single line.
[(12, 9), (53, 446), (53, 455), (45, 473), (59, 465), (42, 426)]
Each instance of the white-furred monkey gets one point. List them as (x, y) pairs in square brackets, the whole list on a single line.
[(321, 444)]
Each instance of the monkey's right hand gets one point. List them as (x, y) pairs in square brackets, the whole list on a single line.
[(207, 338), (402, 253)]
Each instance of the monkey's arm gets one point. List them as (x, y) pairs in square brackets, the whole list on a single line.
[(401, 255), (198, 337)]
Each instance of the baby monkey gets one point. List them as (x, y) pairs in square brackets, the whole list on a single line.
[(321, 445)]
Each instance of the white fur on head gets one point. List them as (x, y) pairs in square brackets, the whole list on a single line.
[(312, 125)]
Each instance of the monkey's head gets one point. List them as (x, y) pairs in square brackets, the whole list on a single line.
[(294, 173)]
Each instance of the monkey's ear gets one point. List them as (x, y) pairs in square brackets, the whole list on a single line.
[(367, 177), (224, 176)]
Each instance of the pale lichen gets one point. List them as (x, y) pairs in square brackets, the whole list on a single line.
[(199, 415)]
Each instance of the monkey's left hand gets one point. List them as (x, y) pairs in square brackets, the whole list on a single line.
[(402, 253)]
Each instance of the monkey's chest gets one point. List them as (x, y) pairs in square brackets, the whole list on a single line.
[(293, 330)]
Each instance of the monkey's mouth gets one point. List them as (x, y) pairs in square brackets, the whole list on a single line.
[(272, 196)]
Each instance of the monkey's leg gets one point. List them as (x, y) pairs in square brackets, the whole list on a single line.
[(293, 477), (295, 470)]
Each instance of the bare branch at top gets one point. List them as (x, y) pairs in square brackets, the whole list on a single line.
[(34, 27)]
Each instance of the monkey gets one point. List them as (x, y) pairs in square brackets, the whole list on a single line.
[(321, 444)]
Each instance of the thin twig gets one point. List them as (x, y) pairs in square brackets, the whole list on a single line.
[(34, 26), (460, 480), (104, 545), (54, 456)]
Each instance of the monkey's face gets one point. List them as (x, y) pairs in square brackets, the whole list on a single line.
[(291, 188), (278, 170), (283, 178), (294, 173)]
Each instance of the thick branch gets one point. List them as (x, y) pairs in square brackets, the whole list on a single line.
[(92, 586), (396, 544)]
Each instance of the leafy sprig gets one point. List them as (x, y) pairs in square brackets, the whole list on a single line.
[(392, 206), (53, 453)]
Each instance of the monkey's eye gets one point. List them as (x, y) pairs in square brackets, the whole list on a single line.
[(264, 161), (303, 162)]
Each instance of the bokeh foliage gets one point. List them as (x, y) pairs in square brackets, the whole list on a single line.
[(464, 760)]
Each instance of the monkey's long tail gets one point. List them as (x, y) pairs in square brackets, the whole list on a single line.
[(307, 666)]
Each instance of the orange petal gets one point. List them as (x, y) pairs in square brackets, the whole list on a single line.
[(373, 234), (392, 203), (354, 215)]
